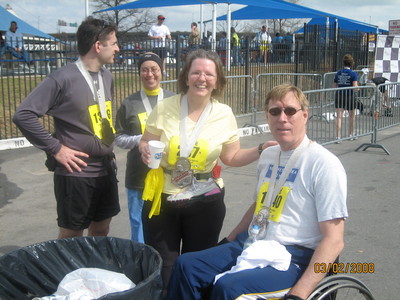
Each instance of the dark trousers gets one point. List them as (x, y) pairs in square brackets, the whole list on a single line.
[(179, 230)]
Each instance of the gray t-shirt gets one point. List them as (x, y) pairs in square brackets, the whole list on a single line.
[(65, 95)]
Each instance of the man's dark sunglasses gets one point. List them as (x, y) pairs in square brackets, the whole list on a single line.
[(289, 111)]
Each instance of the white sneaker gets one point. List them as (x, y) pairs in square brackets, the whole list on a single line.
[(197, 188), (353, 137), (338, 141)]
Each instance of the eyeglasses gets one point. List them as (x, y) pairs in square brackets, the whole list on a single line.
[(154, 71), (208, 76), (289, 111), (106, 24)]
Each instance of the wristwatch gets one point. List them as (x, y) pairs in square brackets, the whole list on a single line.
[(260, 148)]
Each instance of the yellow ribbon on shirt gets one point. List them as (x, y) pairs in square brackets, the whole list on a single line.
[(153, 187)]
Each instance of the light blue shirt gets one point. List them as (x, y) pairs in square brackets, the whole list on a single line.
[(14, 39)]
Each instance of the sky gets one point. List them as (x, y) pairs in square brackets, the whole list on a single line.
[(44, 14)]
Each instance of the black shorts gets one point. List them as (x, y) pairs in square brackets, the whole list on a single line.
[(161, 52), (81, 200), (345, 99)]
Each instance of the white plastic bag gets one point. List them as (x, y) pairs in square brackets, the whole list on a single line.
[(90, 283)]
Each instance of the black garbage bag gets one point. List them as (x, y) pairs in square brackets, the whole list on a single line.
[(36, 270)]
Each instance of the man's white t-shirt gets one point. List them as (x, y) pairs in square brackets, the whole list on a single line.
[(159, 31), (318, 191)]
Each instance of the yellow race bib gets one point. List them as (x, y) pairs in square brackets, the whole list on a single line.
[(197, 157), (275, 210), (142, 120), (95, 118)]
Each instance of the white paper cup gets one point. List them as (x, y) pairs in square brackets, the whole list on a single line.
[(156, 151)]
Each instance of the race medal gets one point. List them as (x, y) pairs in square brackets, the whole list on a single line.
[(182, 175)]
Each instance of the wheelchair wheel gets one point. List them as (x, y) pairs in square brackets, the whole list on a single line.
[(341, 287)]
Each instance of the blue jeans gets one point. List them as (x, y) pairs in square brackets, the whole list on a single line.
[(135, 205), (237, 58), (20, 55), (194, 272)]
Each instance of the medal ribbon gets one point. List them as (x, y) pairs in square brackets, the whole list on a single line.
[(146, 101), (98, 94), (187, 144), (275, 187)]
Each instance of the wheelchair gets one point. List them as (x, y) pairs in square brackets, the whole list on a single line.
[(340, 287)]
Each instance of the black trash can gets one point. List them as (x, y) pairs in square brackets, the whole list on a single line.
[(36, 270)]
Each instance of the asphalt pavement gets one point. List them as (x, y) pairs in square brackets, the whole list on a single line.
[(372, 232)]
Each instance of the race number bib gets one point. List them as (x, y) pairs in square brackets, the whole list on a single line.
[(275, 210), (95, 118), (197, 158), (142, 120)]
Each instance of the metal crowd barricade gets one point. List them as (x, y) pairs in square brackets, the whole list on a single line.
[(386, 111), (239, 93), (328, 78), (322, 114), (171, 85), (266, 81)]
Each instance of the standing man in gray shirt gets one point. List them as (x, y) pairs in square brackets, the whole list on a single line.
[(78, 96)]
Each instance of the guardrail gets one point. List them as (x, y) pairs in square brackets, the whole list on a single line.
[(378, 107)]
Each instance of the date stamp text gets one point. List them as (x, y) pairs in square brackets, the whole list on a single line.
[(342, 268)]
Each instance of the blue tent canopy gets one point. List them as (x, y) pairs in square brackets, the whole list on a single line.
[(346, 24), (6, 17), (270, 4), (272, 12)]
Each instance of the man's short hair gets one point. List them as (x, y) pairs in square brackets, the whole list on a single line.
[(280, 91), (15, 23), (92, 30)]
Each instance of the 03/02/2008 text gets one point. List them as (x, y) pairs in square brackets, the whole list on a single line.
[(341, 268)]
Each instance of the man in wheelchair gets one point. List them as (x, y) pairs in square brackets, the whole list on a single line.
[(303, 189)]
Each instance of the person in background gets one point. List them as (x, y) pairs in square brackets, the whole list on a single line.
[(194, 37), (264, 40), (278, 47), (300, 197), (15, 44), (130, 124), (237, 57), (160, 33), (222, 45), (386, 103), (79, 98), (189, 213), (288, 41), (344, 100)]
